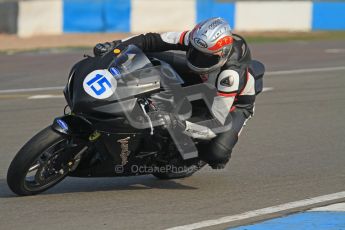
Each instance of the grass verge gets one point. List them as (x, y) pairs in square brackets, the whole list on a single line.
[(293, 36), (70, 42)]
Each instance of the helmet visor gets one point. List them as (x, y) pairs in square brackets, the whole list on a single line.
[(202, 60)]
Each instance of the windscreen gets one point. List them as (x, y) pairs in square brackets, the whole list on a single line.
[(129, 60), (135, 74)]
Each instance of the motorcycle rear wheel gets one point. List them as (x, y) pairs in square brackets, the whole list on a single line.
[(34, 168), (178, 174)]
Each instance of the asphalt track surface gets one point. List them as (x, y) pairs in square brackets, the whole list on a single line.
[(293, 149)]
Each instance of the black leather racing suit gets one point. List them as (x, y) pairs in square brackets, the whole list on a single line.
[(234, 82)]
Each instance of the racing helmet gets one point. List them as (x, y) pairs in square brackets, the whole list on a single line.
[(210, 45)]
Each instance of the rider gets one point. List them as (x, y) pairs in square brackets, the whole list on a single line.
[(219, 57)]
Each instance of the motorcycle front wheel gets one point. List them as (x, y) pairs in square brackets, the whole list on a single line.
[(40, 164)]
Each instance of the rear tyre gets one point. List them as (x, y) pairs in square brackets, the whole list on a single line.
[(178, 172), (38, 165)]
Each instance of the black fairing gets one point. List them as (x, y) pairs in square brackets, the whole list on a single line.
[(131, 74), (78, 100), (76, 126)]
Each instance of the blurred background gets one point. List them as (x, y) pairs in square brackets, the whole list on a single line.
[(30, 17), (293, 149), (272, 19)]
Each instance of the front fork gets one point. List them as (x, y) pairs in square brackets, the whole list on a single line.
[(74, 128)]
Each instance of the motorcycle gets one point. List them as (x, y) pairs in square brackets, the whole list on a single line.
[(107, 129)]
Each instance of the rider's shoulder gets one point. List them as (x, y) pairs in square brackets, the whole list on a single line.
[(228, 80)]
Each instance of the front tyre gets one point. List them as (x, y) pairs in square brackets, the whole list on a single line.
[(38, 165)]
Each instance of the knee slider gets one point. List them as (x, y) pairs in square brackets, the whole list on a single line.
[(221, 147)]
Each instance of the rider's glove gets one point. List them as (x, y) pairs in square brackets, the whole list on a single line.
[(102, 48)]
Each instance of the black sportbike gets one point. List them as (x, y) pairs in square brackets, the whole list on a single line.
[(106, 130)]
